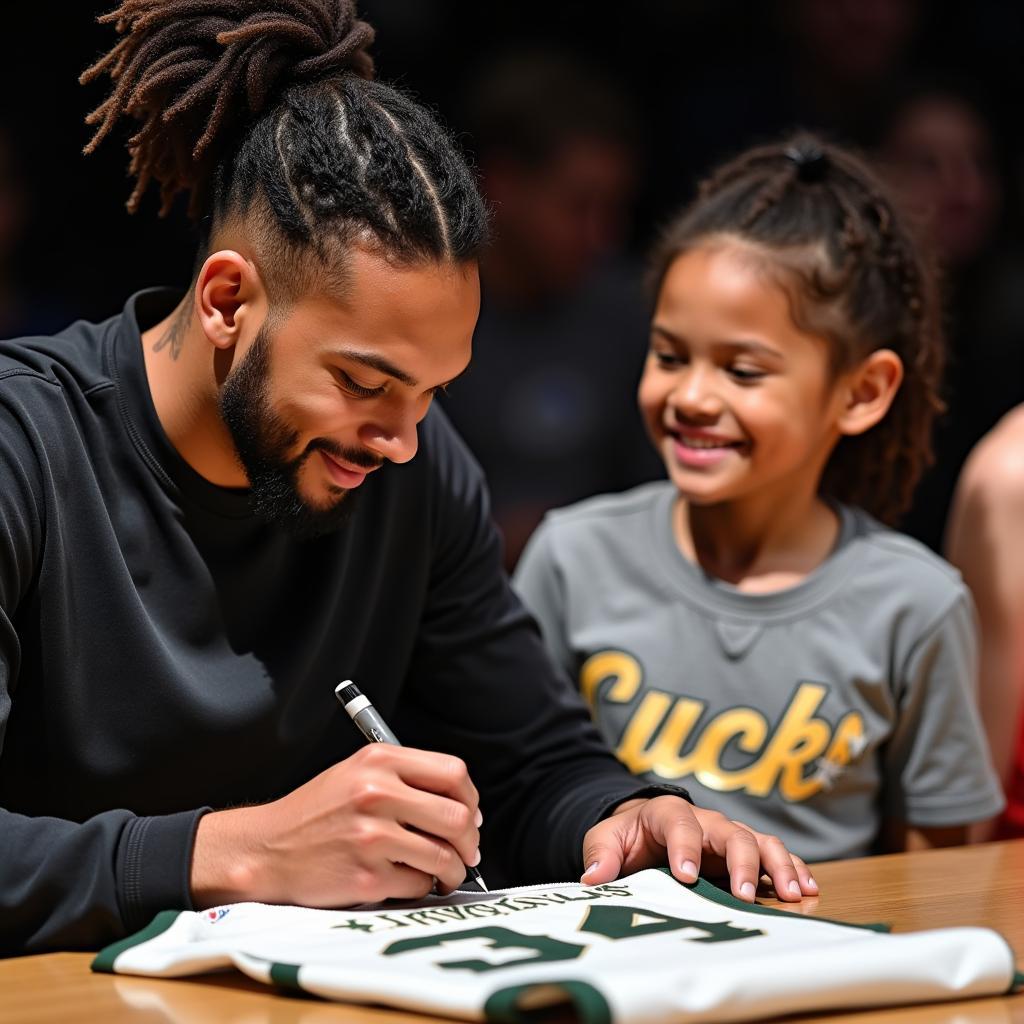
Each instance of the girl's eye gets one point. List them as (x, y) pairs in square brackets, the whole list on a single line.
[(667, 360), (357, 389), (746, 374)]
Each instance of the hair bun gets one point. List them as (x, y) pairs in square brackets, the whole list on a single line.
[(182, 66), (812, 162), (328, 31)]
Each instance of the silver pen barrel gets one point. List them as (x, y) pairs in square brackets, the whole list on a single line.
[(373, 727)]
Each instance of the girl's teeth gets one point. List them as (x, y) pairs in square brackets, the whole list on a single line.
[(700, 442)]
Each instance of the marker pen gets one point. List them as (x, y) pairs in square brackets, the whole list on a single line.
[(376, 730)]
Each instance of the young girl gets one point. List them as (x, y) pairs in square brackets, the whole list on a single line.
[(748, 628)]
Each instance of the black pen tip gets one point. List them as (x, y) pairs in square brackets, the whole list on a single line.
[(347, 691)]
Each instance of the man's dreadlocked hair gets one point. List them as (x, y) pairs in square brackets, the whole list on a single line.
[(833, 237), (266, 113)]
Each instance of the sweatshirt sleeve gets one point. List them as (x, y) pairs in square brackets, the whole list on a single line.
[(483, 687), (540, 586), (64, 884)]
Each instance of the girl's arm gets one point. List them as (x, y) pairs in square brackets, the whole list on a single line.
[(985, 540), (898, 836), (937, 773)]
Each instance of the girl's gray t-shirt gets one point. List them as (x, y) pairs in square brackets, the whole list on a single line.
[(813, 713)]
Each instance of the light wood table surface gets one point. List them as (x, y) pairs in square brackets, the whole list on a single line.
[(978, 885)]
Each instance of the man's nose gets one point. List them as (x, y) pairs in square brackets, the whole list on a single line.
[(394, 437)]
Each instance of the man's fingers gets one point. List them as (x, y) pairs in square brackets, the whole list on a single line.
[(681, 835), (743, 861), (602, 854), (428, 857), (644, 831), (790, 876), (427, 791), (441, 818), (643, 835), (778, 864), (808, 886), (405, 883), (425, 770)]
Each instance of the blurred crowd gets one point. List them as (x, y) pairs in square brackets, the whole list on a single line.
[(588, 132)]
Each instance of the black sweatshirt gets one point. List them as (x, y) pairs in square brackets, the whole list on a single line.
[(162, 651)]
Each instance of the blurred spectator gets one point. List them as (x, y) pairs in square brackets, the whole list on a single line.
[(563, 326), (823, 65), (938, 146), (986, 542), (939, 149)]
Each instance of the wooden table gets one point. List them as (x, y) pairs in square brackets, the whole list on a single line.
[(979, 885)]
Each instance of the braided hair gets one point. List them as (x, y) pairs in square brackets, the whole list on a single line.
[(855, 274), (266, 113)]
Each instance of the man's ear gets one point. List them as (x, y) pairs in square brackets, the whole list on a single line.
[(869, 391), (229, 295)]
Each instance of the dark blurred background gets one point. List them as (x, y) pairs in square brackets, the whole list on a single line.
[(590, 124)]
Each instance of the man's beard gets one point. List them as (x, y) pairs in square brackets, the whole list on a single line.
[(263, 442)]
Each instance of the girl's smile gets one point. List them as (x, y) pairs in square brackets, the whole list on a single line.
[(701, 448)]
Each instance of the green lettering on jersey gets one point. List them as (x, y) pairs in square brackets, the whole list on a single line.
[(544, 947), (615, 922)]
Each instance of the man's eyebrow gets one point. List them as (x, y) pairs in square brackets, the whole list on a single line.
[(385, 366), (379, 363)]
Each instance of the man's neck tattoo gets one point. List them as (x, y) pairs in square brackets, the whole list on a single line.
[(174, 337)]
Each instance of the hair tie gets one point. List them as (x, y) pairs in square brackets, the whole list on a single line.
[(811, 161)]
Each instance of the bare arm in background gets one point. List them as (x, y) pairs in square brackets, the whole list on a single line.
[(985, 541)]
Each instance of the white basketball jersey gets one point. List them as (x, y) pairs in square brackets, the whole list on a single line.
[(641, 949)]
